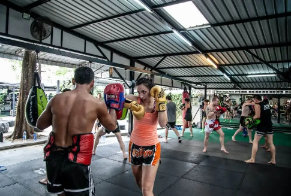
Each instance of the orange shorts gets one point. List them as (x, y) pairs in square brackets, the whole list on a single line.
[(144, 155)]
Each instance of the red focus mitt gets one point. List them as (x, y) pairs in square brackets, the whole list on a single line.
[(114, 96)]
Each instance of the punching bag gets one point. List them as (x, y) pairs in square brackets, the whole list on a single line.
[(185, 95), (36, 102)]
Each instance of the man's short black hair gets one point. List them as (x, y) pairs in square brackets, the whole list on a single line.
[(83, 75), (258, 97), (168, 97), (65, 90)]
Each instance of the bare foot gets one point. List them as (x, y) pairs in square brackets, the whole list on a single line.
[(250, 161), (224, 150), (233, 139), (124, 156), (43, 181), (166, 141), (272, 162), (204, 150)]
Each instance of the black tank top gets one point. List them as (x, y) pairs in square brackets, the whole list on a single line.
[(265, 114)]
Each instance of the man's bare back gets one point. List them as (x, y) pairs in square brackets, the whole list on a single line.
[(75, 112)]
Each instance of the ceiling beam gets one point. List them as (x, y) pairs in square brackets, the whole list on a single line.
[(231, 75), (222, 65), (254, 89), (137, 37), (266, 63), (107, 18), (243, 82), (35, 4), (217, 50)]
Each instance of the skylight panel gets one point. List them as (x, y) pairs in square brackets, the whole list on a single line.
[(187, 14)]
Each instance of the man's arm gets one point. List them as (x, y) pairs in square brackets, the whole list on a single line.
[(163, 118), (257, 111), (45, 119), (108, 120)]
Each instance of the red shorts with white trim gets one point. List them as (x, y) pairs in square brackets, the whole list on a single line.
[(144, 155), (211, 125)]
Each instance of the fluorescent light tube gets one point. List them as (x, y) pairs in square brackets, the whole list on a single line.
[(211, 62), (261, 75), (226, 77)]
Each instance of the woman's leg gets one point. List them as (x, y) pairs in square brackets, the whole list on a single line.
[(184, 127), (121, 144), (148, 179), (96, 142), (137, 173), (190, 127), (166, 135)]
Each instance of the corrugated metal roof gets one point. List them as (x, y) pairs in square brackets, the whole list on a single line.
[(198, 71), (238, 28), (152, 45), (125, 26)]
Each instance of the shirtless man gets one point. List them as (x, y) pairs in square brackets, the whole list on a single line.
[(245, 113), (68, 152), (264, 128), (213, 111)]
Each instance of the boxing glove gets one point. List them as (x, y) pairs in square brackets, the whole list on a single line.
[(137, 109), (220, 109), (114, 96), (160, 98)]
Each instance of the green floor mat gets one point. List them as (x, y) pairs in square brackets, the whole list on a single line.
[(280, 139)]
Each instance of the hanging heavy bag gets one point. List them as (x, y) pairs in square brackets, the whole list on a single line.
[(36, 102)]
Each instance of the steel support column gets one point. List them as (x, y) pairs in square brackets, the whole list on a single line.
[(279, 110)]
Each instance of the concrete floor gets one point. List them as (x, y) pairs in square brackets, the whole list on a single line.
[(185, 170)]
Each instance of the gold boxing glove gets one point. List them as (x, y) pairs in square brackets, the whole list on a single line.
[(137, 109), (160, 98)]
